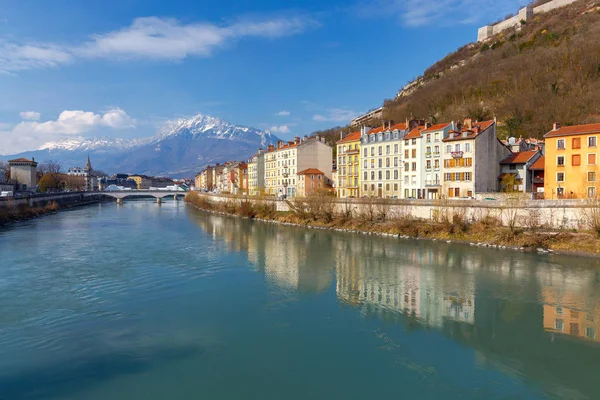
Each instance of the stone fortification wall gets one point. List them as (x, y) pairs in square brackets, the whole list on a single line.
[(525, 14), (557, 214)]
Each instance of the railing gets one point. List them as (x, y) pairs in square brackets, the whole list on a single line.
[(428, 155), (457, 154), (433, 182), (436, 153)]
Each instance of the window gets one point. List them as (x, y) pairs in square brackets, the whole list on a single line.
[(512, 166), (560, 161), (591, 176), (396, 174), (437, 137), (449, 148), (436, 150), (414, 141), (387, 162), (467, 147), (395, 186), (365, 163), (592, 141), (379, 150), (319, 177), (591, 159), (387, 174), (428, 150), (467, 176), (365, 187), (457, 147), (592, 192), (380, 161), (380, 175), (576, 143), (559, 324), (414, 166), (560, 144), (560, 177), (560, 192), (365, 175), (395, 161), (406, 154), (364, 152), (396, 149), (436, 163), (428, 166), (406, 179), (372, 151), (387, 149), (387, 187), (576, 160), (429, 138), (448, 177), (372, 175), (457, 176), (406, 166), (406, 142), (414, 153)]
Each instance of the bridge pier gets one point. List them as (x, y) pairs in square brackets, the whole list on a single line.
[(175, 197), (158, 200), (120, 201)]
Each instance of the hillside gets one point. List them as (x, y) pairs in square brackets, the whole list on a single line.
[(547, 71)]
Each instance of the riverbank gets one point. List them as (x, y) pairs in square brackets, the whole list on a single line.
[(486, 232), (12, 213)]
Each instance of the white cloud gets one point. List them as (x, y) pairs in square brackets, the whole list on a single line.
[(280, 129), (29, 135), (283, 113), (30, 115), (149, 38), (418, 13), (336, 115)]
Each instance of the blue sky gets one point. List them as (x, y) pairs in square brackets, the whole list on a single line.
[(71, 68)]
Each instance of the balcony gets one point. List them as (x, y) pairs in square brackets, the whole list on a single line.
[(436, 153), (433, 183), (285, 174), (538, 180), (428, 155), (352, 152), (457, 154)]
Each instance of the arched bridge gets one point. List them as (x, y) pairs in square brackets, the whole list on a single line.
[(120, 195)]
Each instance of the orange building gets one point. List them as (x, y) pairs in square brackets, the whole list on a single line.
[(311, 180), (571, 169)]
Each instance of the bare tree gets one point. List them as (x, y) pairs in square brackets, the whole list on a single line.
[(49, 167)]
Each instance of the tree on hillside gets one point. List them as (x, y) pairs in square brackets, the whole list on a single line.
[(48, 182), (49, 166)]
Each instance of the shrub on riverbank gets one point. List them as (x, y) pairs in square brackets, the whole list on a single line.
[(11, 213), (374, 215)]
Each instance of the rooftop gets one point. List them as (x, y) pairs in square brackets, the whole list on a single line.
[(538, 165), (465, 133), (573, 130), (310, 171), (519, 158), (437, 127), (351, 137), (22, 160)]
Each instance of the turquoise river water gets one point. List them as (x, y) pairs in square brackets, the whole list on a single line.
[(142, 301)]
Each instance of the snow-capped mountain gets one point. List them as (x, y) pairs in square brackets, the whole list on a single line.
[(179, 148)]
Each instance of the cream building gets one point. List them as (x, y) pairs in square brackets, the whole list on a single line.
[(472, 156), (285, 160), (381, 159), (23, 173), (256, 174), (347, 181)]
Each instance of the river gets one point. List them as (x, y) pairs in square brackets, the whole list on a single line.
[(147, 301)]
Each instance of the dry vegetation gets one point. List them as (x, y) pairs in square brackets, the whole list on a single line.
[(10, 213), (549, 71), (448, 221)]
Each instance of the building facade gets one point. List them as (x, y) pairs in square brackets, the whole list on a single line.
[(381, 159), (256, 174), (515, 172), (472, 155), (431, 158), (311, 180), (282, 163), (347, 181), (23, 174), (571, 161)]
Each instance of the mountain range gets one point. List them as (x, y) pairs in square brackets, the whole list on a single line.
[(179, 149)]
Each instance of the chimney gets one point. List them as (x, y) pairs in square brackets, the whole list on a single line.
[(427, 125), (468, 123), (556, 126), (296, 139)]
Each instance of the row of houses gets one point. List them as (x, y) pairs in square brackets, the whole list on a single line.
[(419, 160)]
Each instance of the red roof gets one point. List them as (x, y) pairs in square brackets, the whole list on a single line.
[(16, 160), (574, 130), (476, 129), (415, 133), (351, 137), (399, 127), (538, 165), (519, 158), (309, 171), (437, 127)]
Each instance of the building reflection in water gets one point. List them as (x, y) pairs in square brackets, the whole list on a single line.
[(526, 315)]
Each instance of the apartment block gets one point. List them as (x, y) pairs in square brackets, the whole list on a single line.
[(347, 181)]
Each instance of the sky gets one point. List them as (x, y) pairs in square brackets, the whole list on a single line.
[(122, 68)]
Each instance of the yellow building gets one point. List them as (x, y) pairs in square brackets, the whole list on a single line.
[(348, 166), (571, 164), (142, 181)]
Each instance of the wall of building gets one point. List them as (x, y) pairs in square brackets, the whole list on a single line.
[(315, 154), (486, 164), (24, 175), (524, 14)]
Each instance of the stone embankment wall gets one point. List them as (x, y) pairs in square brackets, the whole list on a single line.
[(557, 214), (524, 14), (41, 200)]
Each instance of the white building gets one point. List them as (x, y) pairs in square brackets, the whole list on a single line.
[(516, 167), (256, 173), (430, 183), (382, 160), (472, 155)]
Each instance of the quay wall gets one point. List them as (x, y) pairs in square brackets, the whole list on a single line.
[(41, 200), (556, 214)]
